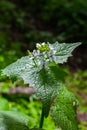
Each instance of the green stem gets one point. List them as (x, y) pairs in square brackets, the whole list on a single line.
[(42, 118)]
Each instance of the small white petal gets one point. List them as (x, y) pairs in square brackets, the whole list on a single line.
[(43, 43), (38, 45)]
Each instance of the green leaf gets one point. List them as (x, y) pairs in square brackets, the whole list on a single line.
[(61, 52), (4, 104), (36, 71), (64, 110), (16, 69), (59, 73), (13, 121), (43, 80), (45, 85)]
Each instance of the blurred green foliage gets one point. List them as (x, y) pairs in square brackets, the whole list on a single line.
[(30, 21), (9, 51), (77, 83), (24, 23), (31, 108)]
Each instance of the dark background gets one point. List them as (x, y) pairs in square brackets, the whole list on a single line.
[(23, 23)]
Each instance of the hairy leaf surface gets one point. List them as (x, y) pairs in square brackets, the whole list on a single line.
[(36, 71), (13, 121), (64, 110), (61, 52), (43, 80)]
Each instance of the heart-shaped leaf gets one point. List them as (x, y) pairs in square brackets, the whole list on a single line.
[(35, 70), (13, 121), (43, 81)]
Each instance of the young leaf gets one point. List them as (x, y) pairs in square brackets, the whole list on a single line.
[(13, 121), (64, 110), (61, 52)]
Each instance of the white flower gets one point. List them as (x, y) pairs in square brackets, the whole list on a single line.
[(38, 45), (36, 53), (43, 44)]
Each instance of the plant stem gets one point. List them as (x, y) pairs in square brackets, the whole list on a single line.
[(42, 118)]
